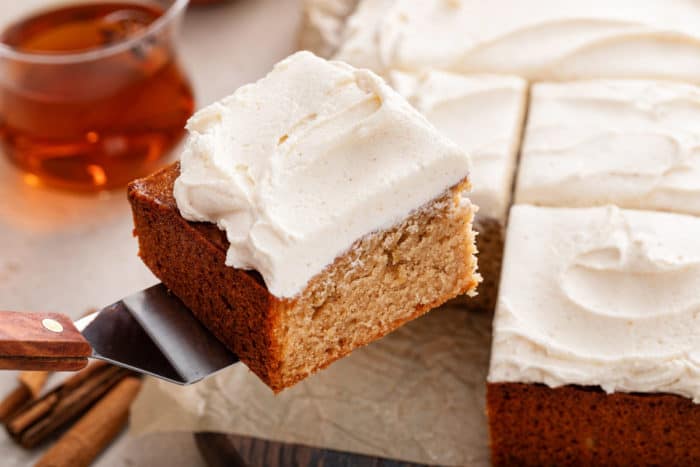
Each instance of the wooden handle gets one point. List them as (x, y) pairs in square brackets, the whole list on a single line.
[(41, 341)]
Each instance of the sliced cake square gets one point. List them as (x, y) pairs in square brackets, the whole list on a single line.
[(596, 339), (632, 143), (483, 114), (311, 213)]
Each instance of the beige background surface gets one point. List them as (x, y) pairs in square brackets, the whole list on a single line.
[(68, 253)]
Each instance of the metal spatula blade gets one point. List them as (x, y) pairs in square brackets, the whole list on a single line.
[(152, 332)]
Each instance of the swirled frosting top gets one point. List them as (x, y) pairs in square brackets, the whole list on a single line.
[(537, 39), (635, 144), (483, 114), (299, 165), (600, 297)]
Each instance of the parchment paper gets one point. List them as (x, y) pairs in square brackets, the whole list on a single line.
[(416, 395)]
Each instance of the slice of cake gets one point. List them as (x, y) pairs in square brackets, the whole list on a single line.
[(635, 144), (596, 339), (311, 213), (483, 114), (322, 25), (537, 39)]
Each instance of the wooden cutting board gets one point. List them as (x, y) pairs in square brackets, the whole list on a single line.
[(222, 450)]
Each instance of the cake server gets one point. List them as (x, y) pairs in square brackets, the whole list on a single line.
[(151, 332)]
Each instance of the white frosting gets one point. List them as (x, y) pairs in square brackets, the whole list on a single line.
[(483, 114), (324, 21), (635, 144), (600, 297), (537, 39), (298, 166)]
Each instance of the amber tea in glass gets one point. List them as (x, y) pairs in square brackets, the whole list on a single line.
[(91, 94)]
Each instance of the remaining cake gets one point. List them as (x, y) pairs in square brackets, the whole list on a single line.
[(483, 114), (341, 214), (596, 344), (536, 39), (635, 144), (322, 25)]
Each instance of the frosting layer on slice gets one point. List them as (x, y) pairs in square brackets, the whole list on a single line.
[(600, 297), (483, 114), (299, 165)]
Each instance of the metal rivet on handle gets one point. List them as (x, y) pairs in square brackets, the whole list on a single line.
[(52, 325)]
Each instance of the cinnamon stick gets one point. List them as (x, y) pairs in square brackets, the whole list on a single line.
[(73, 401), (32, 414), (40, 419), (34, 381), (77, 378), (80, 445), (30, 385), (16, 399)]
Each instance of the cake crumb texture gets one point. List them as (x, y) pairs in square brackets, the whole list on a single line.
[(386, 279)]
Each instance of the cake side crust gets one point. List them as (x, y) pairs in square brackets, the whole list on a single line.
[(189, 259), (533, 424)]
